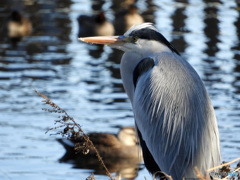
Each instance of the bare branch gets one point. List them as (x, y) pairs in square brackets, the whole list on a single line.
[(71, 129)]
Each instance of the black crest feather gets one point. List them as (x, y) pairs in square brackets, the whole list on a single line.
[(151, 34)]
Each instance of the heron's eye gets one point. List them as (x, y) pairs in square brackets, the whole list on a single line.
[(134, 39)]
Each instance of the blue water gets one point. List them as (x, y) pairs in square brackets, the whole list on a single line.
[(84, 79)]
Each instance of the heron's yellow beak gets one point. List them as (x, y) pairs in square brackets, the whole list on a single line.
[(106, 40)]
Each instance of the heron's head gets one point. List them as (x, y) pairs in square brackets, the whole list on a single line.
[(142, 39)]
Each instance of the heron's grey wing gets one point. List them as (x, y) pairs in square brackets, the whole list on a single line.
[(175, 117), (142, 67)]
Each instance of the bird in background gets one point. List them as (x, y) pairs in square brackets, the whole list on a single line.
[(18, 26), (174, 117), (96, 25), (119, 152), (133, 17), (127, 18)]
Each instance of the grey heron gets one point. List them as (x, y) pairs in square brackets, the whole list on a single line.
[(174, 117)]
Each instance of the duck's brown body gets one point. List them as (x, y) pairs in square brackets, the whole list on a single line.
[(118, 152), (109, 146)]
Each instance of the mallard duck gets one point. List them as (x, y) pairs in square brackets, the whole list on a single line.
[(94, 26), (18, 26), (119, 152), (132, 17), (127, 18)]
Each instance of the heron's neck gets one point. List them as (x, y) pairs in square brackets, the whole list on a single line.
[(128, 63), (147, 48), (130, 59)]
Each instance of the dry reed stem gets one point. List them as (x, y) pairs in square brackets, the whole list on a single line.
[(225, 164), (168, 176), (235, 170), (198, 173), (91, 177), (65, 118), (217, 167)]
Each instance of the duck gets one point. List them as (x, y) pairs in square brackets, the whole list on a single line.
[(119, 152), (133, 17), (18, 26), (96, 25), (127, 18)]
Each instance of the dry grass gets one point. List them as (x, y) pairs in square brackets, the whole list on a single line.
[(161, 172), (91, 177), (199, 175), (224, 164), (225, 172), (70, 129)]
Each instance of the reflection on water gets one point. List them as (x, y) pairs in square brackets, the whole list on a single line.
[(85, 79)]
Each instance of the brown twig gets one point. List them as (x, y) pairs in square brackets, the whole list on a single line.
[(71, 127), (235, 170), (168, 176), (225, 164), (91, 177), (199, 174)]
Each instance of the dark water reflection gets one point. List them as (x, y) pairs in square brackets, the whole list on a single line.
[(85, 79)]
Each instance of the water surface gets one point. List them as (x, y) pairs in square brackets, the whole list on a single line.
[(84, 79)]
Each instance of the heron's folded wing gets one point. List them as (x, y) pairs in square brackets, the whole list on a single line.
[(175, 117)]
